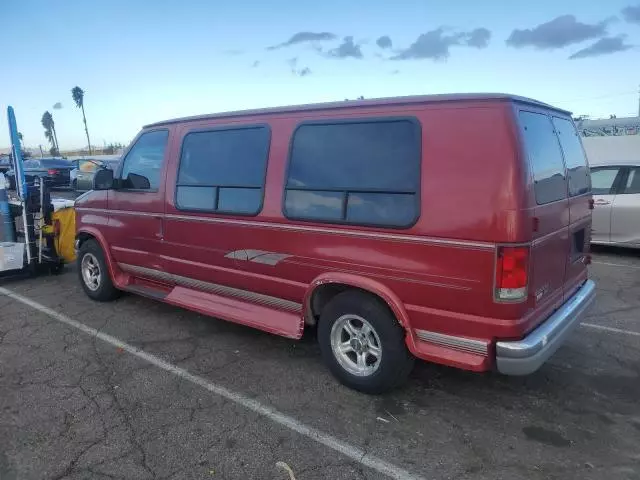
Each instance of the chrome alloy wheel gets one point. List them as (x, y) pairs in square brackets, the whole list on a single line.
[(356, 345), (91, 272)]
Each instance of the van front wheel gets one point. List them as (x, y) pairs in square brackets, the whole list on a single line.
[(362, 343), (94, 273)]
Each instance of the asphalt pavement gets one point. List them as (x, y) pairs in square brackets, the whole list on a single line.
[(137, 389)]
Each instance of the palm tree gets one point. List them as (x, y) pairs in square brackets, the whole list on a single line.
[(50, 131), (55, 135), (46, 123), (78, 97)]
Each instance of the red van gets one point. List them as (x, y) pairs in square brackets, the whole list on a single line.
[(451, 228)]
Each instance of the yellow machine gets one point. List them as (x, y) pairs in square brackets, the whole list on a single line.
[(63, 228)]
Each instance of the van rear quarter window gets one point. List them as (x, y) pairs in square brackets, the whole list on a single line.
[(223, 170), (545, 157), (574, 156), (355, 172)]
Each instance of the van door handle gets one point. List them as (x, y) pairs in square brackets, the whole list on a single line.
[(602, 202)]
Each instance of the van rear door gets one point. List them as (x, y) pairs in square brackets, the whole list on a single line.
[(579, 189), (550, 210)]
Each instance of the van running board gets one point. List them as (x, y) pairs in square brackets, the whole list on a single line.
[(272, 320), (149, 292), (270, 314)]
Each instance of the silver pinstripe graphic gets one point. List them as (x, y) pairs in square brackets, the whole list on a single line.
[(467, 345), (302, 228), (272, 259), (223, 290), (258, 256)]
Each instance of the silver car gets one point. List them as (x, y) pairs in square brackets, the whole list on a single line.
[(616, 195)]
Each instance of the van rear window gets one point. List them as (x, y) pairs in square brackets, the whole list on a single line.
[(545, 157), (574, 156), (356, 172)]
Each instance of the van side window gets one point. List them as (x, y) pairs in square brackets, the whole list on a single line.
[(545, 157), (356, 172), (574, 157), (143, 164), (223, 170)]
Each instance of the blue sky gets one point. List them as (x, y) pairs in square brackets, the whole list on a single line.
[(142, 61)]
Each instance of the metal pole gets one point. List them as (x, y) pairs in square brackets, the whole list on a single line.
[(41, 221), (21, 184)]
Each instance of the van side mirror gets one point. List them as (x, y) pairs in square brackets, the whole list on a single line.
[(103, 179), (138, 182)]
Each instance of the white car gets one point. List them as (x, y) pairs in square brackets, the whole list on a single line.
[(616, 195)]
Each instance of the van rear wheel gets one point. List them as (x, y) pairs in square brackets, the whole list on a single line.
[(94, 273), (363, 344)]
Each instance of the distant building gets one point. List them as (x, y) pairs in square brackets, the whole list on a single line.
[(611, 140), (609, 127)]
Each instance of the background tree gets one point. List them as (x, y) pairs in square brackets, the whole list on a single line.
[(25, 152), (78, 97), (50, 132), (112, 148)]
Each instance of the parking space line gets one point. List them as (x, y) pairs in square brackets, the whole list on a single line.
[(635, 267), (350, 451), (611, 329)]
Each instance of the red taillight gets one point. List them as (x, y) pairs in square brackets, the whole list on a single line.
[(512, 273), (52, 171)]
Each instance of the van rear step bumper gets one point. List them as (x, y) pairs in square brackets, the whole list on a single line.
[(525, 356)]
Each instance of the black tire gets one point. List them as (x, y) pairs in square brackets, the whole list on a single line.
[(74, 185), (104, 291), (396, 361)]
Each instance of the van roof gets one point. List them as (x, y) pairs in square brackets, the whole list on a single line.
[(407, 100)]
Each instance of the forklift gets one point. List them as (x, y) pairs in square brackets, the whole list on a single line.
[(29, 235)]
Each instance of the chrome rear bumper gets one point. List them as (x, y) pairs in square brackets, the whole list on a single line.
[(525, 356)]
